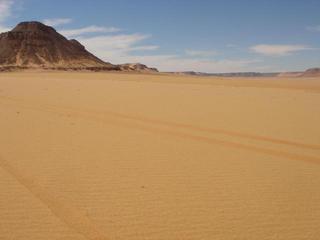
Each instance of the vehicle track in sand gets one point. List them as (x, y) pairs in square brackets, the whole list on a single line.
[(73, 217), (181, 130)]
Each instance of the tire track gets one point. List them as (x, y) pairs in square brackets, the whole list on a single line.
[(183, 135), (66, 213), (215, 130), (272, 152), (175, 125)]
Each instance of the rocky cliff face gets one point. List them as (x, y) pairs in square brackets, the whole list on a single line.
[(33, 44), (137, 67)]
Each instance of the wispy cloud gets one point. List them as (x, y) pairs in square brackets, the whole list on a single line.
[(4, 29), (121, 49), (200, 53), (5, 12), (57, 21), (122, 42), (116, 48), (5, 9), (314, 28), (278, 50), (144, 48), (86, 30), (179, 63)]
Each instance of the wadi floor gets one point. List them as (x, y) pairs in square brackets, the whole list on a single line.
[(126, 156)]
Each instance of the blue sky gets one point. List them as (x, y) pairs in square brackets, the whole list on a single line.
[(181, 35)]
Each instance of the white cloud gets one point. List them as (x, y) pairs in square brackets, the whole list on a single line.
[(314, 28), (177, 63), (57, 21), (4, 29), (200, 53), (5, 9), (145, 48), (120, 49), (117, 45), (5, 12), (278, 50), (86, 30)]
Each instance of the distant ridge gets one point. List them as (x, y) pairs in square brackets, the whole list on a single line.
[(290, 74), (232, 74), (36, 45), (311, 72)]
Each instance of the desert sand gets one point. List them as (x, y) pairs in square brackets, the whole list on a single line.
[(130, 156)]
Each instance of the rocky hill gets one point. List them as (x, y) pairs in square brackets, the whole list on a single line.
[(137, 67), (35, 45), (312, 72)]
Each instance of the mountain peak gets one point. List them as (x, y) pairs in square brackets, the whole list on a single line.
[(36, 45), (33, 26)]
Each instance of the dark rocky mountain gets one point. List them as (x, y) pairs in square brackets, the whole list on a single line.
[(35, 45)]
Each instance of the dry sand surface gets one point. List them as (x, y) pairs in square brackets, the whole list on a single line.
[(102, 156)]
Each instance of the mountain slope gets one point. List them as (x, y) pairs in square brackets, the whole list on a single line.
[(33, 44)]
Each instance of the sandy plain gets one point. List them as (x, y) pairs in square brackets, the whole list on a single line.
[(130, 156)]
